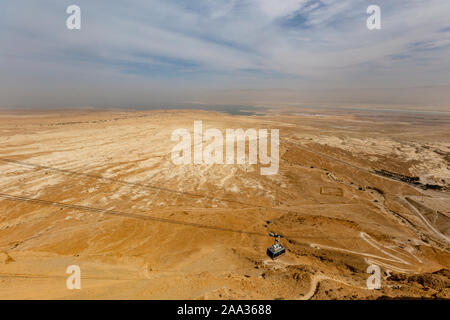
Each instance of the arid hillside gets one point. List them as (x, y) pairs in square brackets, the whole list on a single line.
[(99, 189)]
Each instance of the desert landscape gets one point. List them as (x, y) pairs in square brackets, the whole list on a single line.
[(98, 189)]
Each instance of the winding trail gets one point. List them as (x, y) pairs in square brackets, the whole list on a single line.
[(425, 220), (315, 281)]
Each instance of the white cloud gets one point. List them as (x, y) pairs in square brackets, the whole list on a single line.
[(222, 42), (279, 8)]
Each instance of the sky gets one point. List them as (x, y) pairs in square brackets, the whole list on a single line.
[(158, 52)]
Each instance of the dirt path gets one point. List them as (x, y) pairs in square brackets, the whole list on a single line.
[(315, 284)]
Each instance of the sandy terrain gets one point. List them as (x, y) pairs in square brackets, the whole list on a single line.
[(98, 189)]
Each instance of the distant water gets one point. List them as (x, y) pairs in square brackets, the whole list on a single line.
[(424, 112), (380, 110), (233, 110)]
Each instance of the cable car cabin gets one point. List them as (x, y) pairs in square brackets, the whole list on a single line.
[(276, 249)]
